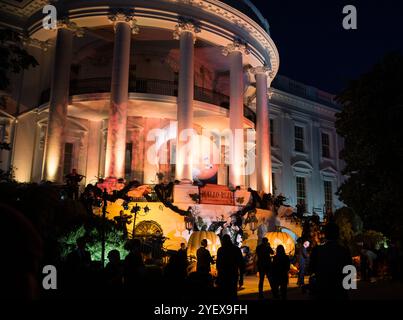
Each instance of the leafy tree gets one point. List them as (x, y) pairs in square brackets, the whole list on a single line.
[(371, 124)]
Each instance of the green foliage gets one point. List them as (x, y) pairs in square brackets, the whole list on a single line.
[(373, 239), (113, 240), (371, 125), (347, 215)]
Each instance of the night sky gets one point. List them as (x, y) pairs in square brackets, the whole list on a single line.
[(315, 48)]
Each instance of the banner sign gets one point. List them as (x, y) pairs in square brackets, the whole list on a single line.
[(215, 194)]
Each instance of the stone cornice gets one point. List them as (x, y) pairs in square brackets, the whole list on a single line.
[(215, 17)]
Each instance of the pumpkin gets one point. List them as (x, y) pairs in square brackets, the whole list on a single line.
[(281, 238), (194, 243)]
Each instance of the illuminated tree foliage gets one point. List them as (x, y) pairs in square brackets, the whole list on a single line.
[(113, 240), (371, 124)]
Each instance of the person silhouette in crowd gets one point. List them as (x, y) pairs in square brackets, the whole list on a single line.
[(281, 267), (230, 265), (327, 263), (263, 253), (73, 180), (204, 259), (78, 267), (369, 257), (183, 259), (114, 274), (303, 260), (133, 268), (21, 253)]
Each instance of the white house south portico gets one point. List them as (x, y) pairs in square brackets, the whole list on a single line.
[(126, 20), (163, 90)]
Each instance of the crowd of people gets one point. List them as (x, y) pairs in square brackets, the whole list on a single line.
[(132, 277)]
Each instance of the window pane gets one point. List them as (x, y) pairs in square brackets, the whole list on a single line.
[(301, 191), (325, 145), (328, 195), (68, 158), (128, 161), (299, 139)]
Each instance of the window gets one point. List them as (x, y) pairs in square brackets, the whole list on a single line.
[(328, 188), (273, 182), (299, 138), (128, 160), (2, 131), (68, 158), (325, 145), (272, 132), (301, 191)]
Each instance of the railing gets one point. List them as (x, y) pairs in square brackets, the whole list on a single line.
[(150, 86), (301, 90)]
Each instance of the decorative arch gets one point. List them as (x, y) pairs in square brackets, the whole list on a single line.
[(148, 228), (328, 173), (302, 168)]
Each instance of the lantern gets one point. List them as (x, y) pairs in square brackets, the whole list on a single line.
[(281, 238), (189, 222), (194, 243)]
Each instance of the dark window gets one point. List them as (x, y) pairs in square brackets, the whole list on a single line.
[(328, 188), (273, 182), (325, 145), (68, 158), (299, 139), (271, 132), (128, 161), (301, 191)]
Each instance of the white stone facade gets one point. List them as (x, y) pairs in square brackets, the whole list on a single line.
[(169, 55)]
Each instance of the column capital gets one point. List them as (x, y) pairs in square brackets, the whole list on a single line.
[(270, 93), (260, 70), (33, 42), (236, 46), (65, 23), (126, 16), (186, 25)]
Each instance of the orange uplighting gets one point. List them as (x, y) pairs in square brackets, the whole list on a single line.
[(52, 163)]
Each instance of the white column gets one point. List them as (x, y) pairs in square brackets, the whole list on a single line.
[(235, 52), (185, 32), (124, 25), (263, 152), (59, 99)]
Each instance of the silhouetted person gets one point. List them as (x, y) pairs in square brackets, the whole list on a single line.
[(122, 221), (327, 263), (303, 259), (114, 274), (183, 259), (263, 253), (73, 180), (204, 259), (281, 267), (21, 254), (134, 268), (78, 264), (230, 265)]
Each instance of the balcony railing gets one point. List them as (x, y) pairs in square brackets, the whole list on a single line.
[(150, 86)]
